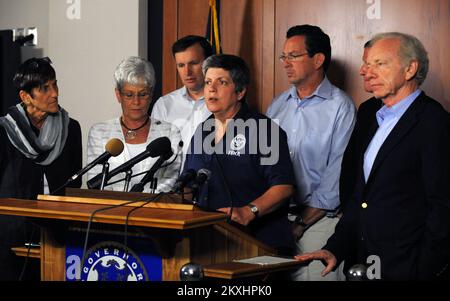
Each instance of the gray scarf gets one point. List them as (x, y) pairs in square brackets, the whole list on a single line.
[(42, 149)]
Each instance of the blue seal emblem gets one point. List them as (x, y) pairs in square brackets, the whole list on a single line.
[(109, 261)]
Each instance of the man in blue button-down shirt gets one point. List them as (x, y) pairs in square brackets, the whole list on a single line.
[(318, 119)]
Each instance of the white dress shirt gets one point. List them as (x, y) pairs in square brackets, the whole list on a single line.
[(184, 112)]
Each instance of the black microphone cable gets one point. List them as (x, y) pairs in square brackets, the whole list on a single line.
[(125, 240), (227, 187), (91, 217), (29, 246)]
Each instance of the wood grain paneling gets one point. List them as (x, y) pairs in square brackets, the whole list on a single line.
[(242, 35), (348, 26), (269, 56), (170, 34), (193, 17), (255, 30), (53, 257)]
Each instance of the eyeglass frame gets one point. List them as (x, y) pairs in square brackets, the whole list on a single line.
[(291, 57), (140, 95)]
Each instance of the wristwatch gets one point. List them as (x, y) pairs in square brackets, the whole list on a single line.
[(253, 209), (299, 221)]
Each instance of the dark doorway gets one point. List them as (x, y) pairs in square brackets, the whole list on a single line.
[(155, 40), (9, 62)]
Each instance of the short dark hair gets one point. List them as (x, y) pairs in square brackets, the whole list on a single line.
[(316, 41), (33, 73), (188, 41), (239, 71)]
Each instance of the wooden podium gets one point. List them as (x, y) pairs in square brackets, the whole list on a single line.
[(179, 233)]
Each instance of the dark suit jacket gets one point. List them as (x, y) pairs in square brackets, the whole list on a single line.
[(407, 219)]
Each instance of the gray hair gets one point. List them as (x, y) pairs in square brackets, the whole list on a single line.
[(236, 66), (135, 71), (411, 49)]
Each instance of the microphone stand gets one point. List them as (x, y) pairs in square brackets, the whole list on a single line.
[(195, 195), (139, 187), (105, 171), (128, 175), (154, 184)]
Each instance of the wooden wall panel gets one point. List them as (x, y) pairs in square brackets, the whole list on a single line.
[(255, 30), (243, 37), (170, 35), (342, 21), (348, 26), (269, 56)]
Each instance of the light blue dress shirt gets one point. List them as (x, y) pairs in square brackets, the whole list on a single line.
[(318, 129), (387, 118)]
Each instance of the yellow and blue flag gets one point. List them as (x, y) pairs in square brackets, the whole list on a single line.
[(213, 27)]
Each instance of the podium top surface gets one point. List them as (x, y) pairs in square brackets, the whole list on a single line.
[(234, 270), (145, 217)]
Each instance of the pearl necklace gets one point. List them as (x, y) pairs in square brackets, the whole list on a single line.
[(131, 133)]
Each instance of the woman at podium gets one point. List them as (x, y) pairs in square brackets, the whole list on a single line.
[(243, 155), (40, 148)]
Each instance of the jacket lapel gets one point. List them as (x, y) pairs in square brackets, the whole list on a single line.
[(367, 137), (403, 126)]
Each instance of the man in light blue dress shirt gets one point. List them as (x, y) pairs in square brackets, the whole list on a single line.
[(318, 119)]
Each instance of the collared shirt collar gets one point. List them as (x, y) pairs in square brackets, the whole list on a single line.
[(397, 110), (323, 91), (185, 94)]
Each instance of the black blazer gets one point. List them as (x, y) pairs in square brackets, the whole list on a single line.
[(407, 219)]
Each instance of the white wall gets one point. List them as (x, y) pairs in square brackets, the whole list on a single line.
[(84, 51)]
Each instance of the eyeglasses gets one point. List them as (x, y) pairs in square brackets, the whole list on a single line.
[(130, 96), (291, 57)]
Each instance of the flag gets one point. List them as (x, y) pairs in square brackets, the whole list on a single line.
[(213, 26)]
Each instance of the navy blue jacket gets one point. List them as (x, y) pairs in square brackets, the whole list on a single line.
[(238, 172), (405, 219)]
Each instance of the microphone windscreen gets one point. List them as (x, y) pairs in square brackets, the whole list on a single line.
[(205, 172), (114, 146), (159, 146)]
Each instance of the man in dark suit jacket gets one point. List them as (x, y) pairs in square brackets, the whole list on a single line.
[(399, 207)]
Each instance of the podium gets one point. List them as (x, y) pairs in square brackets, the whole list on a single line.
[(162, 236)]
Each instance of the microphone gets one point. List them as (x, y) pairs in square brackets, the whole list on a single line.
[(113, 147), (139, 187), (156, 148), (203, 175), (186, 177)]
